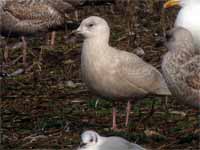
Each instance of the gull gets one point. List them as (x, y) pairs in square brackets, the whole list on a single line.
[(22, 18), (188, 17), (112, 73), (181, 67), (91, 140)]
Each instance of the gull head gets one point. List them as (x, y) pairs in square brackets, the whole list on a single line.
[(179, 38), (89, 139), (181, 3), (94, 27)]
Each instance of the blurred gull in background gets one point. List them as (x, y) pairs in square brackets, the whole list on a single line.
[(181, 67)]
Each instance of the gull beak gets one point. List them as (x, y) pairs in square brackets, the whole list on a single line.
[(82, 144), (78, 31), (73, 37), (171, 3), (74, 32)]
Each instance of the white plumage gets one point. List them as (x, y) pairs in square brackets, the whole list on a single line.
[(91, 140)]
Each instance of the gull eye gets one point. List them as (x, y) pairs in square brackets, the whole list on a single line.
[(91, 140), (90, 25)]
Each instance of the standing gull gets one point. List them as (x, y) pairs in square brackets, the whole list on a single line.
[(181, 67), (93, 141), (112, 73), (188, 17)]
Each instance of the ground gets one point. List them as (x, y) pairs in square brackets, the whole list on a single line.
[(49, 107)]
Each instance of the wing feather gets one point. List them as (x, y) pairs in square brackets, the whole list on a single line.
[(191, 73), (30, 18), (141, 74)]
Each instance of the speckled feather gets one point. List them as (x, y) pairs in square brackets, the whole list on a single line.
[(31, 16), (181, 68)]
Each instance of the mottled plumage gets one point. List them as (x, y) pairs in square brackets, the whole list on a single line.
[(112, 73), (26, 17), (181, 67)]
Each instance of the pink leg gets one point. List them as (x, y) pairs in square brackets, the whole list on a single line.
[(53, 36), (114, 114), (47, 39), (6, 55), (24, 50), (128, 109)]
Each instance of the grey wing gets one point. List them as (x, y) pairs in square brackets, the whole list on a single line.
[(117, 143), (189, 81), (22, 17), (142, 75)]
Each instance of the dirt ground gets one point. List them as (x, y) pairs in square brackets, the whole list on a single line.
[(49, 106)]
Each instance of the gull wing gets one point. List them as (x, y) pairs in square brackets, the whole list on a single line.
[(140, 74)]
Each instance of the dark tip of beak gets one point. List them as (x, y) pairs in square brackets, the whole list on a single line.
[(82, 145), (73, 37), (72, 25), (70, 35)]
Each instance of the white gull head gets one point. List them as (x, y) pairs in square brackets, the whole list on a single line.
[(94, 28), (90, 140)]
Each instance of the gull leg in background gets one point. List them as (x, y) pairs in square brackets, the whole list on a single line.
[(114, 115), (47, 39), (6, 54), (128, 110), (24, 51), (53, 37)]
